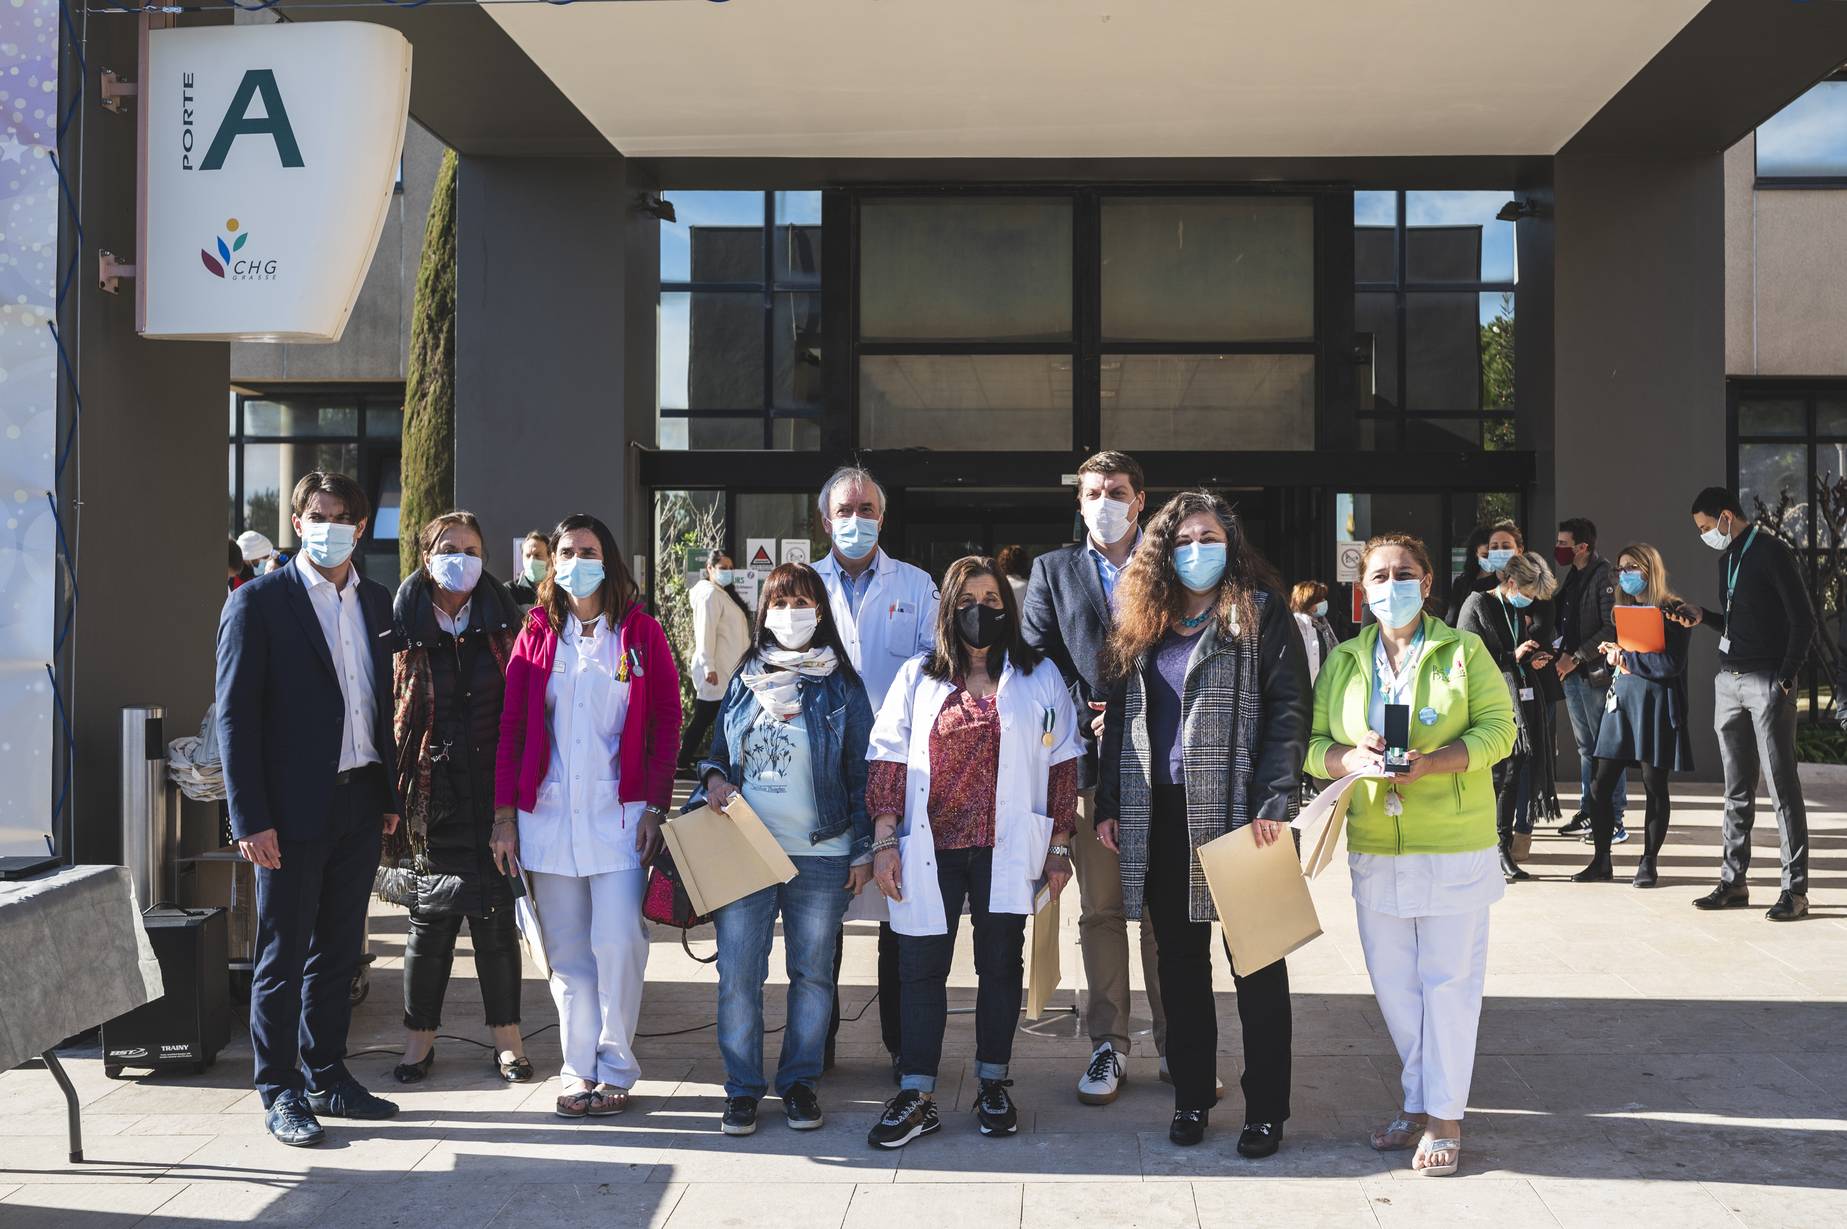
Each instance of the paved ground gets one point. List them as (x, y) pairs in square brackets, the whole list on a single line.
[(1640, 1063)]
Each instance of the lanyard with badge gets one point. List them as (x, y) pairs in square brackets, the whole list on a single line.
[(1513, 640), (1732, 567)]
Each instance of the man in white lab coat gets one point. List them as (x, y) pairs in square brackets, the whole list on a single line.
[(886, 613)]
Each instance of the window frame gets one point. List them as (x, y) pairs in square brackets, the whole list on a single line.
[(1779, 183)]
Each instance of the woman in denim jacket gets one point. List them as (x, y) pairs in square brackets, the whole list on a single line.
[(791, 740)]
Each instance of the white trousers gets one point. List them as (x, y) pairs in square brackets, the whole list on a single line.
[(597, 943), (1427, 973)]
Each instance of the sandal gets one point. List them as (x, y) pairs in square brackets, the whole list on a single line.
[(1426, 1146), (516, 1070), (1396, 1135), (575, 1104), (606, 1100)]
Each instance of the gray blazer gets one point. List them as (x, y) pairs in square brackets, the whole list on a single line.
[(1067, 617)]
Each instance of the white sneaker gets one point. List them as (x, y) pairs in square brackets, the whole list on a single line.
[(1102, 1080), (1167, 1077)]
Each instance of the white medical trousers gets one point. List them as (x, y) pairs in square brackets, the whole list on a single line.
[(597, 944), (1427, 973)]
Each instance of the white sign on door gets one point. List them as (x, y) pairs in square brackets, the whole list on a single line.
[(795, 550), (760, 554), (271, 154), (1347, 561)]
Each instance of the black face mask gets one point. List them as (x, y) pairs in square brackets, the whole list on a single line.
[(981, 626)]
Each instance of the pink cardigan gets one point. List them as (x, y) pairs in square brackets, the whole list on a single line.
[(650, 735)]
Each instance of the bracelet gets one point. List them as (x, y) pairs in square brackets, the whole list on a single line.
[(890, 842), (1063, 851)]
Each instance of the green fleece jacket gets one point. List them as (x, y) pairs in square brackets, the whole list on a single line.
[(1459, 694)]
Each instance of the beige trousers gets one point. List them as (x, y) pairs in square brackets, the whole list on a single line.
[(1103, 932)]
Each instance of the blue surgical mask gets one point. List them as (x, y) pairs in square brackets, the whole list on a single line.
[(1396, 603), (855, 536), (1495, 560), (1200, 565), (578, 576), (328, 543), (458, 573), (723, 577), (1319, 610), (535, 570), (1518, 600), (1632, 582)]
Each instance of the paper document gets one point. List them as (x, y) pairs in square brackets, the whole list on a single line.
[(526, 919), (1261, 895), (1042, 970), (725, 855), (1323, 819)]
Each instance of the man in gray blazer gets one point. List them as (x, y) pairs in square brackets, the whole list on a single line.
[(1068, 616)]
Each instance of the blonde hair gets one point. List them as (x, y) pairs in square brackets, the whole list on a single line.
[(1529, 574), (1654, 570)]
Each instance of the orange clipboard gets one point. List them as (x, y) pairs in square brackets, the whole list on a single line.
[(1640, 629)]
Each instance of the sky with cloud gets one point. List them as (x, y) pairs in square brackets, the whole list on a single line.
[(1809, 136)]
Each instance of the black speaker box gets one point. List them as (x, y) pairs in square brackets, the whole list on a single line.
[(187, 1026)]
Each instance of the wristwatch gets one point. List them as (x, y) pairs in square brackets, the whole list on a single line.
[(1063, 851)]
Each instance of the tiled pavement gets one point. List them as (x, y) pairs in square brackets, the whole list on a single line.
[(1641, 1063)]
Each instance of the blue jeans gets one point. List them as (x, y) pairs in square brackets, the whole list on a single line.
[(811, 905), (1584, 703)]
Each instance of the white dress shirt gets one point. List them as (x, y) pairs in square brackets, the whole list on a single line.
[(459, 623), (885, 616), (344, 624), (576, 825)]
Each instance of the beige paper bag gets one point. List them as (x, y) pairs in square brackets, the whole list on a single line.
[(1261, 897), (725, 855), (1043, 972), (526, 919)]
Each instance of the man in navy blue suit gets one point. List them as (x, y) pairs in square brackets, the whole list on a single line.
[(304, 723)]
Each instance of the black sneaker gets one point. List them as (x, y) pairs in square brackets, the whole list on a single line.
[(1189, 1127), (740, 1116), (292, 1123), (1789, 906), (349, 1099), (994, 1108), (802, 1108), (1725, 896), (1577, 825), (907, 1115), (1260, 1139)]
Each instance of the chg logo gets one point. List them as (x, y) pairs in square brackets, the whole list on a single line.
[(227, 264)]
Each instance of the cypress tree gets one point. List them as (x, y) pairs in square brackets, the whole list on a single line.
[(429, 391)]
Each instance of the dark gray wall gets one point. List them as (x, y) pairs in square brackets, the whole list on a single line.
[(541, 319), (150, 532), (1640, 396)]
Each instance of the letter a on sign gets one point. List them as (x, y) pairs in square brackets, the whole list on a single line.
[(268, 236)]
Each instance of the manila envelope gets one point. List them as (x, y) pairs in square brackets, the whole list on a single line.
[(1261, 896), (1043, 973), (1328, 809), (725, 855)]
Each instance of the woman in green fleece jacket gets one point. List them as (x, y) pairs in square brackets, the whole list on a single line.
[(1421, 844)]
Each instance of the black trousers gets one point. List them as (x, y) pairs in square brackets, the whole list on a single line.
[(1186, 983), (1605, 776), (891, 990), (429, 955), (311, 924), (698, 738)]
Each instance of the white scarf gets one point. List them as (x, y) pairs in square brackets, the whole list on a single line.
[(778, 688)]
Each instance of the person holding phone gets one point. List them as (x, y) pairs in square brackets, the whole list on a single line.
[(588, 738), (1645, 725), (791, 741), (1514, 622), (1204, 734), (1421, 842), (455, 630), (973, 783)]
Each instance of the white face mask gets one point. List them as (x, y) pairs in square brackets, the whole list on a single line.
[(793, 626), (1716, 537), (458, 573), (328, 543), (1107, 519)]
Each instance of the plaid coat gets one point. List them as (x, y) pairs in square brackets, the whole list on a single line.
[(1243, 731)]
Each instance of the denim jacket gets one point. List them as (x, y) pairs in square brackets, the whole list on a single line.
[(839, 721)]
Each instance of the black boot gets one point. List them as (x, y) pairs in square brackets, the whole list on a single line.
[(1655, 835), (1599, 870), (1645, 875), (1510, 869)]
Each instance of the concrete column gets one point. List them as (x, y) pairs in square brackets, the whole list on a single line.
[(1640, 371), (542, 316)]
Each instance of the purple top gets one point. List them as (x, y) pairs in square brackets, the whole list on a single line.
[(1166, 684)]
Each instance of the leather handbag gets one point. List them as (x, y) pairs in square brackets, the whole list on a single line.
[(668, 904)]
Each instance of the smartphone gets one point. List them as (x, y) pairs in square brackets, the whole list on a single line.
[(516, 883), (1397, 733)]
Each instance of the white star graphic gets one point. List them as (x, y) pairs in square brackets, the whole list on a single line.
[(11, 149)]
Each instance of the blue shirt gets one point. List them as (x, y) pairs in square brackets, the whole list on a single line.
[(856, 586), (1108, 573)]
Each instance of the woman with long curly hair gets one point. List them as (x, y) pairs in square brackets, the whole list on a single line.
[(1205, 732)]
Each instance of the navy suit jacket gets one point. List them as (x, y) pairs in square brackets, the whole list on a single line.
[(1066, 616), (280, 705)]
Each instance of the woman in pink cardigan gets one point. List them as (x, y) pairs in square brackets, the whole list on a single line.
[(589, 735)]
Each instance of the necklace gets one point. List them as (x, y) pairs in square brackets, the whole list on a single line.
[(1197, 619)]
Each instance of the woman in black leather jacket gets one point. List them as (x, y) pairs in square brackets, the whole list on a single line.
[(455, 628)]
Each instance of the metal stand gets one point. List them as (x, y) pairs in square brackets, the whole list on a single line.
[(70, 1100)]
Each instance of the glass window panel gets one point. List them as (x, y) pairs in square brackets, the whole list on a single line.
[(1359, 516), (233, 429), (1808, 138), (1375, 254), (1375, 209), (1441, 434), (384, 422), (1830, 464), (685, 521), (1767, 473), (965, 402), (381, 564), (674, 436), (1454, 237), (796, 326), (1443, 360), (231, 487), (270, 474), (724, 432), (969, 269), (1497, 351), (1208, 268), (715, 237), (711, 350), (1248, 402), (778, 517), (1468, 510), (1778, 416), (1830, 417), (795, 435), (796, 255), (390, 496), (270, 418), (1375, 327)]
